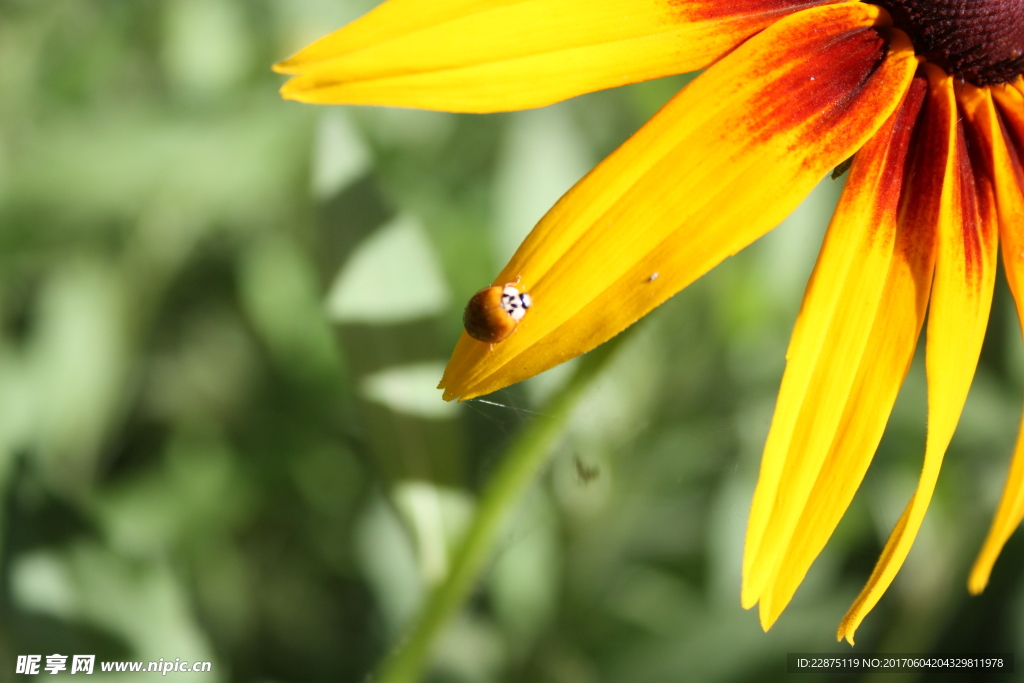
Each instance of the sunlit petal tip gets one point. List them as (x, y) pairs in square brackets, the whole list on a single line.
[(978, 579), (284, 67), (846, 631), (768, 614), (748, 598), (287, 91), (454, 379), (293, 89), (689, 188)]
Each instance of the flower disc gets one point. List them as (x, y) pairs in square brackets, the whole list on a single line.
[(981, 41)]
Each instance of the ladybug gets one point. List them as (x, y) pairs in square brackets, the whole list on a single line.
[(494, 312)]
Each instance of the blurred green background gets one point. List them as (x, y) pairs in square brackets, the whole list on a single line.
[(223, 317)]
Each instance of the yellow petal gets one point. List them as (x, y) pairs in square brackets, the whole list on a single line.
[(500, 55), (1005, 170), (1009, 179), (722, 163), (1007, 519), (852, 346), (965, 268)]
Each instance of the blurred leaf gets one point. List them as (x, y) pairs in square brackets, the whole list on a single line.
[(526, 577), (329, 480), (388, 560), (437, 517), (339, 157), (392, 277), (206, 47), (410, 389), (281, 296), (78, 355)]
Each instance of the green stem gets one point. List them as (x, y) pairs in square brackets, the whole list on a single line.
[(526, 454)]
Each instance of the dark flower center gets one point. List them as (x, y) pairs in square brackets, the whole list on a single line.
[(981, 41)]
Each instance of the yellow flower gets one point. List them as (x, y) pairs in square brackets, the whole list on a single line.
[(928, 95)]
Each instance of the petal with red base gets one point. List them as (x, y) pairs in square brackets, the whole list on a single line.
[(965, 267), (721, 164), (852, 346), (1000, 124), (500, 55)]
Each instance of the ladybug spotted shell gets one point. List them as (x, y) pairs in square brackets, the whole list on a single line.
[(493, 313)]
